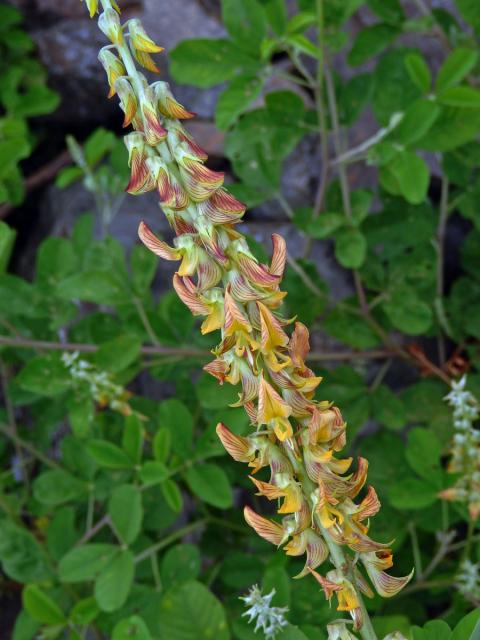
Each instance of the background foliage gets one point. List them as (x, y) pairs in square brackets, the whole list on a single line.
[(120, 514)]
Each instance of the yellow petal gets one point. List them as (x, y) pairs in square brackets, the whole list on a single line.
[(270, 404)]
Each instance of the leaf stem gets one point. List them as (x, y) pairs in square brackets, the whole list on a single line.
[(440, 246), (417, 558), (180, 533), (7, 431), (12, 421), (142, 314), (321, 113)]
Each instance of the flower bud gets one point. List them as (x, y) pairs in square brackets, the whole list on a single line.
[(109, 23), (128, 99), (139, 38), (168, 106), (113, 67)]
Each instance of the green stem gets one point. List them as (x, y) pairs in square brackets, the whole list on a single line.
[(440, 242), (426, 586), (142, 314), (180, 533), (321, 112), (28, 447), (417, 558), (12, 423)]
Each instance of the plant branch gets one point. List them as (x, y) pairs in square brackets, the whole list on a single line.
[(28, 447), (92, 532), (155, 548), (440, 245), (92, 348), (321, 113), (11, 419), (142, 314)]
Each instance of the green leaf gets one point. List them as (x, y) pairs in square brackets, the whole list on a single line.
[(45, 376), (144, 265), (84, 611), (126, 512), (301, 300), (108, 455), (393, 91), (115, 581), (388, 10), (80, 414), (411, 493), (213, 396), (172, 495), (210, 483), (61, 532), (433, 630), (22, 558), (153, 472), (276, 12), (321, 227), (458, 65), (7, 240), (301, 21), (162, 444), (118, 354), (98, 144), (453, 128), (411, 176), (175, 416), (418, 71), (85, 563), (276, 578), (350, 329), (68, 176), (350, 248), (132, 439), (25, 627), (423, 453), (204, 62), (370, 42), (190, 612), (303, 45), (180, 564), (246, 23), (353, 97), (235, 99), (463, 97), (407, 312), (468, 628), (55, 487), (41, 607), (384, 624), (416, 122), (470, 10), (99, 286), (388, 409), (133, 628)]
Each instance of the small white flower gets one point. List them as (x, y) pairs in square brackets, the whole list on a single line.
[(271, 620), (468, 580)]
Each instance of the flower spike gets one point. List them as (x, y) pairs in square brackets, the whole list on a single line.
[(294, 434)]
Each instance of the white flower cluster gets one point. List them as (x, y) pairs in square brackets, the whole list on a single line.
[(468, 580), (271, 620), (102, 388), (466, 447)]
